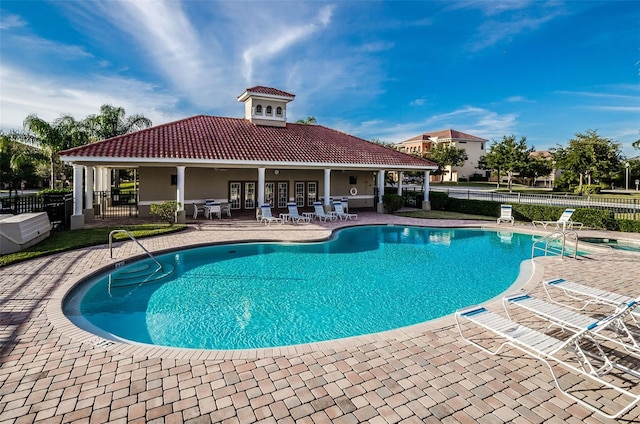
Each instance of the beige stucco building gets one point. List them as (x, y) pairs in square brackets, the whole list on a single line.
[(475, 148), (245, 162)]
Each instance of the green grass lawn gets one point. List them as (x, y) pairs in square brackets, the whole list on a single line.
[(69, 240)]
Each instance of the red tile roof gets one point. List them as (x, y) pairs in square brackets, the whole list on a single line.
[(446, 134), (212, 138), (268, 90)]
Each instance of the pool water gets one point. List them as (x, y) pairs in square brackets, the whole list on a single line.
[(364, 280), (628, 245)]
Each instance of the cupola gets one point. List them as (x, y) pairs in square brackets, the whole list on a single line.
[(266, 106)]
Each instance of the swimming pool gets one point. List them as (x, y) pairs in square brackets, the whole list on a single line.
[(366, 279), (628, 245)]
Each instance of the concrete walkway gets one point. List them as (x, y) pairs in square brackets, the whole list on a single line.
[(53, 372)]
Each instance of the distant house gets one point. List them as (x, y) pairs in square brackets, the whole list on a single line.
[(474, 147), (546, 181), (260, 158)]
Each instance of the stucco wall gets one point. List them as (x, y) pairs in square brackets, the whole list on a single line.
[(209, 183)]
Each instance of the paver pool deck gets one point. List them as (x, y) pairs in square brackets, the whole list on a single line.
[(53, 372)]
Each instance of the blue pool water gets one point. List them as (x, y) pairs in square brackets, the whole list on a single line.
[(364, 280)]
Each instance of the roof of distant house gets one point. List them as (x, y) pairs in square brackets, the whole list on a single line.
[(211, 138), (445, 134)]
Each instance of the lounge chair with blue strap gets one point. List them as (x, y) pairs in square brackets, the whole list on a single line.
[(294, 215), (563, 223), (338, 210), (321, 214), (614, 330), (587, 295), (590, 360), (266, 216), (506, 214)]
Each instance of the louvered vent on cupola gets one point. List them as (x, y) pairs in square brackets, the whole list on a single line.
[(266, 106)]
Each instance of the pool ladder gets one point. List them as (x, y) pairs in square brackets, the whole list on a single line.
[(548, 244), (160, 267)]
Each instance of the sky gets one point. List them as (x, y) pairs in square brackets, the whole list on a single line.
[(385, 70)]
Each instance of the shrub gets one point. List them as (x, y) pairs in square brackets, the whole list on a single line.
[(439, 200), (392, 202), (628, 225), (166, 211), (589, 189), (54, 191)]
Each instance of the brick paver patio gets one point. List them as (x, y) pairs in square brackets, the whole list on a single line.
[(52, 372)]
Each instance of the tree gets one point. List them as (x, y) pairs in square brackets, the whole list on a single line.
[(588, 156), (112, 122), (444, 155), (636, 144), (51, 138), (311, 120), (507, 156), (538, 166), (17, 162)]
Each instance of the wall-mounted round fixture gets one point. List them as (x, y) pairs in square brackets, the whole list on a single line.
[(276, 171)]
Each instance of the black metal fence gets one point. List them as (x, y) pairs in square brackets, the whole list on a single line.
[(107, 204), (59, 207), (623, 208)]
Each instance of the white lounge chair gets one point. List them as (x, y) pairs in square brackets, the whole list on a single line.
[(340, 213), (563, 223), (266, 216), (614, 330), (591, 364), (321, 214), (294, 215), (506, 214), (345, 204), (587, 295)]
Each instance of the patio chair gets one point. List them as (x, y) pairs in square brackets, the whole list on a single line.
[(345, 204), (214, 209), (587, 295), (564, 222), (570, 320), (340, 213), (197, 209), (321, 214), (266, 216), (591, 362), (506, 214), (294, 216)]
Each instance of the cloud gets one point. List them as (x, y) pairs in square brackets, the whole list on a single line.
[(11, 21), (282, 37), (509, 19), (418, 102), (25, 92)]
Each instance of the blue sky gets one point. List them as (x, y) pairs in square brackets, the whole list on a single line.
[(384, 70)]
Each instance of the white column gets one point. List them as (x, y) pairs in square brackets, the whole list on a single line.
[(400, 177), (426, 185), (98, 179), (261, 179), (180, 189), (88, 190), (327, 187), (77, 189), (107, 179), (381, 184)]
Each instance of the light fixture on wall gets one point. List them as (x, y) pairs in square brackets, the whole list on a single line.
[(276, 171)]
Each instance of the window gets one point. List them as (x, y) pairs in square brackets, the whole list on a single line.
[(269, 110), (481, 146), (259, 110), (278, 111)]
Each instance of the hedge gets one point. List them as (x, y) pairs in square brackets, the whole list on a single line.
[(591, 218)]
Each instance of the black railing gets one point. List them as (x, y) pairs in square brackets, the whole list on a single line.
[(59, 207), (108, 204)]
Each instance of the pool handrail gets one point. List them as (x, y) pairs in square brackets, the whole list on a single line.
[(160, 267)]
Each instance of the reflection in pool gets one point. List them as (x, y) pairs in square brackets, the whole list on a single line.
[(365, 279)]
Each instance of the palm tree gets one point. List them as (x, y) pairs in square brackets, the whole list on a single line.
[(51, 138), (311, 120), (111, 122), (17, 160)]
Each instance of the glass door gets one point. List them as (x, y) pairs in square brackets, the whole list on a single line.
[(283, 194), (250, 195)]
